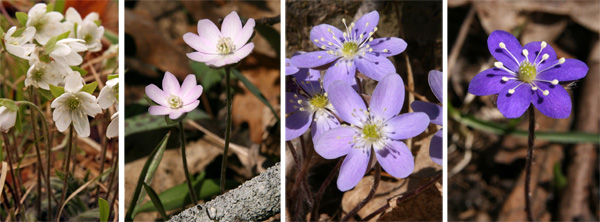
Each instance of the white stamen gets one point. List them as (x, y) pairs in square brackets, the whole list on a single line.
[(502, 45), (499, 65), (561, 61), (504, 78), (511, 91), (554, 82), (545, 92)]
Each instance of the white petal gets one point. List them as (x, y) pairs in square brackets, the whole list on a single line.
[(81, 123), (113, 128)]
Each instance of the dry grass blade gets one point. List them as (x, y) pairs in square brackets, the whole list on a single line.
[(81, 188), (3, 176)]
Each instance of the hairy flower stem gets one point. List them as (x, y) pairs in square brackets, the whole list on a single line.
[(66, 164), (227, 128), (369, 196), (16, 187), (38, 203), (529, 160), (185, 165), (114, 173), (103, 157), (319, 195)]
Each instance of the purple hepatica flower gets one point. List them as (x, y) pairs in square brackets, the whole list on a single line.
[(312, 108), (174, 100), (434, 111), (525, 75), (378, 127), (220, 48), (344, 52)]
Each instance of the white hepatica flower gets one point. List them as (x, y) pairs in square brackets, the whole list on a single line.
[(108, 94), (113, 127), (20, 46), (41, 74), (46, 24), (91, 34), (74, 106), (66, 52), (8, 118)]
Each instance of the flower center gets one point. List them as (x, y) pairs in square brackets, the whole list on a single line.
[(225, 46), (319, 101), (88, 39), (349, 48), (38, 75), (370, 132), (174, 102), (39, 24), (527, 72), (74, 103)]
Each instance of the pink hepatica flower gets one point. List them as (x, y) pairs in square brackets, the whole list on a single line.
[(174, 100), (220, 48)]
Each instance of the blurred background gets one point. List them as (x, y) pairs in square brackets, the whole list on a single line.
[(486, 153), (154, 44)]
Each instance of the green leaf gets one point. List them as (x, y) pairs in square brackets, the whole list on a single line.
[(45, 93), (254, 91), (56, 90), (18, 121), (156, 201), (49, 47), (81, 71), (271, 35), (146, 177), (112, 37), (90, 87), (59, 6), (63, 36), (109, 77), (146, 122), (208, 76), (560, 180), (104, 209), (49, 7), (22, 17), (18, 32)]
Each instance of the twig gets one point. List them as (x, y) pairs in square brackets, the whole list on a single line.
[(530, 142), (462, 35), (315, 210)]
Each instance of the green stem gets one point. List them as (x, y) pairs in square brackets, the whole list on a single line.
[(16, 188), (227, 128), (185, 165), (66, 164), (529, 160)]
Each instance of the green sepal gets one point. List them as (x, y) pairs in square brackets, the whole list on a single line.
[(81, 71), (98, 22), (89, 88), (49, 7), (9, 104), (175, 121), (22, 17), (63, 36), (45, 93), (109, 77), (49, 47), (56, 90), (18, 32)]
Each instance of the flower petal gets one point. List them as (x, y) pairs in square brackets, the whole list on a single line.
[(170, 84), (321, 36), (572, 69), (366, 24), (189, 83), (201, 57), (557, 104), (512, 45), (80, 123), (396, 159), (244, 35), (297, 124), (291, 101), (349, 105), (313, 59), (159, 110), (113, 128), (353, 168), (433, 111), (157, 95), (61, 118), (388, 96), (175, 114), (189, 107), (534, 49), (389, 46), (192, 95), (342, 70), (407, 125), (335, 142), (374, 65), (436, 83), (232, 25), (514, 105), (198, 43), (324, 122), (209, 31), (488, 82), (290, 69), (435, 148)]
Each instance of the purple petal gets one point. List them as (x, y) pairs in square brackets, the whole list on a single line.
[(534, 49), (325, 122), (341, 70), (157, 95), (388, 97), (349, 105), (514, 105), (366, 24), (209, 31), (198, 43), (488, 82), (512, 44), (374, 65), (435, 148), (297, 124), (572, 69), (407, 125), (312, 87), (231, 25), (335, 143), (557, 104), (290, 68), (313, 59), (244, 35), (353, 168), (320, 36), (175, 114), (389, 46), (159, 110), (433, 111), (201, 57), (189, 107), (396, 159), (291, 101), (170, 84), (436, 83)]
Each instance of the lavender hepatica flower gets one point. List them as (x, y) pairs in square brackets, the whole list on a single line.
[(434, 111), (311, 108), (221, 48), (174, 100), (345, 52), (525, 75), (377, 128)]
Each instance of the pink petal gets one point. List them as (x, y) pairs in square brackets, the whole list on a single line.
[(156, 94), (188, 84), (191, 106), (201, 57), (198, 43), (192, 95), (159, 110), (175, 114), (232, 25), (209, 31), (244, 35), (170, 84)]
